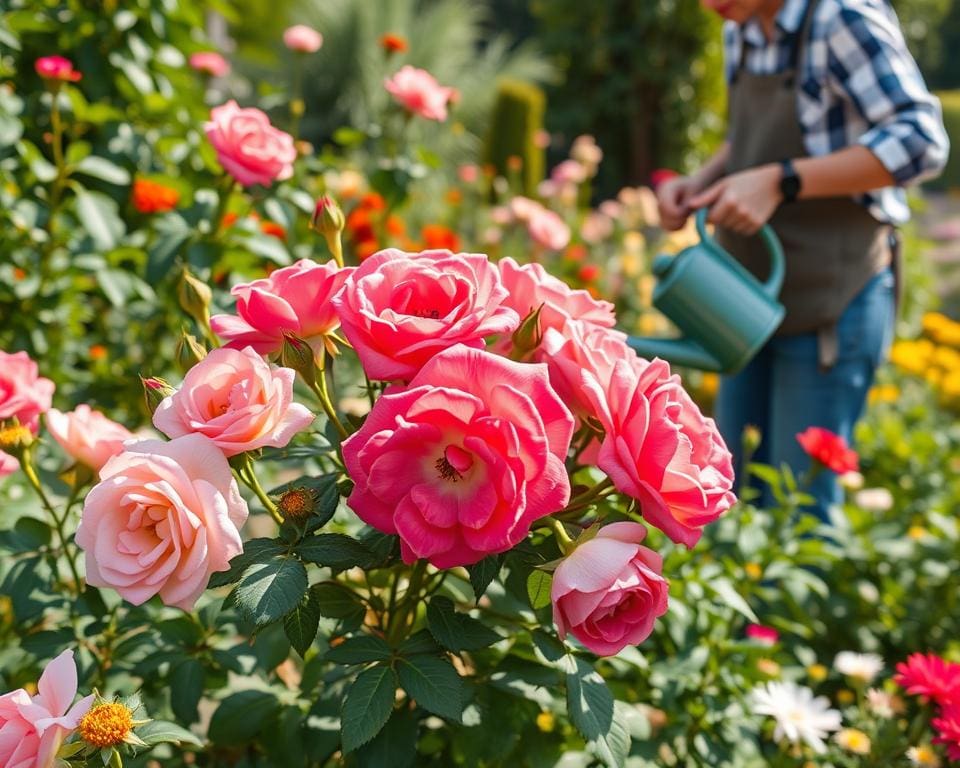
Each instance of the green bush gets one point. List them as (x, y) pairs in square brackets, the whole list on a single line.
[(950, 178), (517, 119)]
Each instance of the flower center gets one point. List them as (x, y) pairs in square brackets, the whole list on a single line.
[(454, 462), (106, 725), (14, 436)]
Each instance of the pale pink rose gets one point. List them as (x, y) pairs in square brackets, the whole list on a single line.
[(568, 172), (294, 299), (586, 151), (530, 285), (547, 189), (608, 592), (56, 68), (210, 63), (661, 450), (523, 208), (163, 517), (400, 309), (24, 395), (237, 400), (248, 147), (32, 728), (417, 91), (612, 209), (87, 435), (596, 228), (468, 173), (302, 38), (463, 460), (501, 215)]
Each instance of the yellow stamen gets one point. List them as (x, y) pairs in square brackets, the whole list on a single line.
[(106, 725)]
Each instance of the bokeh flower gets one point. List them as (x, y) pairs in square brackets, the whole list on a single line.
[(56, 69), (86, 435), (209, 63), (829, 449), (800, 717), (417, 91), (302, 39)]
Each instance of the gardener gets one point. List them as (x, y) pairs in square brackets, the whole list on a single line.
[(828, 118)]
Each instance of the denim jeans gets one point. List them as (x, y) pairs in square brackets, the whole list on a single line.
[(782, 391)]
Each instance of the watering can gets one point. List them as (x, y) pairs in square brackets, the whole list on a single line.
[(725, 314)]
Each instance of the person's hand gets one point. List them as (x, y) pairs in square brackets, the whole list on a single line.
[(743, 202), (673, 200)]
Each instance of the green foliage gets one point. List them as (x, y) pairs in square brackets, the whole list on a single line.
[(515, 125), (950, 178)]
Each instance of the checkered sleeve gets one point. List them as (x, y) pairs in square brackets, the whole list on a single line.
[(870, 65)]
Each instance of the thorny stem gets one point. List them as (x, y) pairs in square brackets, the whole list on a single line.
[(249, 479)]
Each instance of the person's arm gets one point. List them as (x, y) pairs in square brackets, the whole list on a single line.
[(674, 196)]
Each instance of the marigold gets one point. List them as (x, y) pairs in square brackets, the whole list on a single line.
[(392, 43), (273, 229), (106, 725), (153, 197), (439, 237)]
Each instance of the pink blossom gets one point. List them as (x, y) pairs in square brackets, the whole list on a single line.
[(548, 230), (661, 450), (596, 228), (56, 68), (931, 676), (523, 208), (417, 91), (947, 726), (609, 591), (468, 173), (162, 519), (295, 299), (32, 728), (210, 63), (248, 147), (302, 38), (87, 435), (24, 395), (763, 635), (586, 151), (568, 172), (463, 460), (400, 309), (237, 400)]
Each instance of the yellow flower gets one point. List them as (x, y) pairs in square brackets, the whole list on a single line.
[(15, 436), (912, 356), (884, 393), (923, 757), (106, 725), (916, 532), (753, 570), (845, 696), (818, 672), (854, 741), (546, 722)]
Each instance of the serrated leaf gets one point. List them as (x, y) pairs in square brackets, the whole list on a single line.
[(241, 716), (361, 649), (186, 688), (302, 622), (268, 591), (160, 732), (396, 744), (335, 550), (538, 589), (367, 706), (419, 642), (589, 701), (253, 551), (433, 683), (614, 746), (725, 590), (483, 573), (455, 631), (337, 602)]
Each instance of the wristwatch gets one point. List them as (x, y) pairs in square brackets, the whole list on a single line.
[(789, 181)]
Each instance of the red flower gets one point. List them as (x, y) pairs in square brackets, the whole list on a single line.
[(588, 273), (829, 449), (948, 730), (151, 197), (56, 68), (762, 634), (929, 675), (274, 229), (437, 236), (393, 43), (661, 175)]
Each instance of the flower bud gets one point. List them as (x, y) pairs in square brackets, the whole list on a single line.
[(297, 503), (155, 391), (750, 439), (14, 437), (195, 297), (189, 351), (298, 354), (528, 335), (327, 217)]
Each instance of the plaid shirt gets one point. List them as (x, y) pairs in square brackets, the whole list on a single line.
[(858, 84)]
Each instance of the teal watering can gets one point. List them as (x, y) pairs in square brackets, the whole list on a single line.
[(725, 314)]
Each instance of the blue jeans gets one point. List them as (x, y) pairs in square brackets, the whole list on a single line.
[(782, 391)]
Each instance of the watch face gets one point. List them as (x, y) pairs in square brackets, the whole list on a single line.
[(790, 187)]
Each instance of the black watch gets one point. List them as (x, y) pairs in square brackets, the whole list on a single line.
[(789, 182)]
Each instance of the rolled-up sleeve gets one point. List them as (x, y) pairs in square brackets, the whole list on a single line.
[(869, 62)]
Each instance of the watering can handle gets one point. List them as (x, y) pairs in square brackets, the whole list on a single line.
[(770, 239)]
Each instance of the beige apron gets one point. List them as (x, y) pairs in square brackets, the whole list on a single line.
[(833, 246)]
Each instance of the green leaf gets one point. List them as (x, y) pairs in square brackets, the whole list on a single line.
[(241, 716), (337, 602), (538, 589), (589, 701), (268, 591), (28, 535), (186, 688), (396, 744), (455, 631), (335, 550), (367, 706), (419, 642), (172, 233), (160, 732), (614, 746), (103, 169), (433, 683), (254, 550), (483, 573), (551, 647), (98, 216), (302, 622), (349, 137), (725, 590), (361, 649)]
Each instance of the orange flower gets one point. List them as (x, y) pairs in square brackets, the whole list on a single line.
[(152, 197), (395, 226), (19, 274), (439, 236), (229, 219), (98, 352), (588, 273), (274, 229), (366, 249), (393, 43)]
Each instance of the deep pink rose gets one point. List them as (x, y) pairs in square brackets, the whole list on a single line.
[(400, 309), (464, 459), (163, 517), (548, 230), (417, 91), (56, 68), (295, 298), (237, 400), (302, 38), (248, 147), (87, 435), (32, 728), (608, 592), (210, 63), (661, 450), (763, 634), (24, 395)]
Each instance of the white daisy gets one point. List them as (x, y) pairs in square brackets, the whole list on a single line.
[(861, 666), (800, 716)]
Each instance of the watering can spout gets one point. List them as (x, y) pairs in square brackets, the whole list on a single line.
[(675, 351)]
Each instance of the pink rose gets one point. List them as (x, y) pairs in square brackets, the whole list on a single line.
[(24, 395), (608, 592), (302, 38), (56, 68), (237, 400), (596, 227), (163, 517), (548, 230), (400, 309), (464, 459), (248, 147), (569, 172), (87, 435), (32, 728), (661, 450), (295, 298), (417, 91), (210, 63)]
